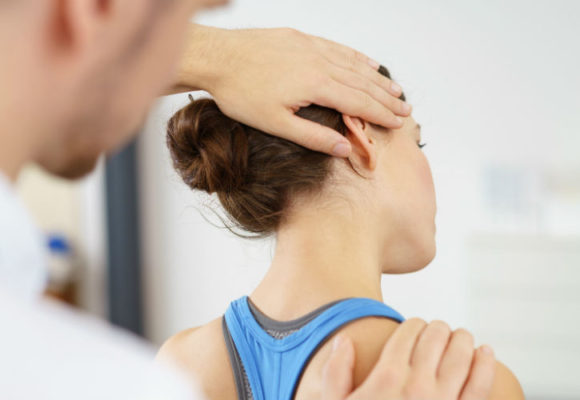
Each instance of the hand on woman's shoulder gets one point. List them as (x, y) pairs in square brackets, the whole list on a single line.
[(370, 335)]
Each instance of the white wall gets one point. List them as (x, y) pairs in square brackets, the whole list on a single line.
[(495, 86)]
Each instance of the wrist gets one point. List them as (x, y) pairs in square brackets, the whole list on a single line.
[(199, 68)]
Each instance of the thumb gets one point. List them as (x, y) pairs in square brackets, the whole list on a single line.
[(315, 136), (337, 374)]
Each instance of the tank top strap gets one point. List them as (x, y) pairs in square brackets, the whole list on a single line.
[(236, 318)]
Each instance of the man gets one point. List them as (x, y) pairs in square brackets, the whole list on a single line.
[(76, 80)]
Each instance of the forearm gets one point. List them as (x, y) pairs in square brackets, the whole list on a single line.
[(197, 69)]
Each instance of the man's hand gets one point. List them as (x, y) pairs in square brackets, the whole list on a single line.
[(419, 361), (261, 77)]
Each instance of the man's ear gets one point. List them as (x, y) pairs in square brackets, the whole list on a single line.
[(75, 22), (364, 150)]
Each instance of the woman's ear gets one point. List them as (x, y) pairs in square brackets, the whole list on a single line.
[(364, 149)]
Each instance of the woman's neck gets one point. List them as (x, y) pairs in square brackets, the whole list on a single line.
[(320, 257)]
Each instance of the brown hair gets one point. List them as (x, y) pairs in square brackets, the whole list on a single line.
[(254, 174)]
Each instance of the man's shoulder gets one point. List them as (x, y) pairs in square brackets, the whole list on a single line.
[(51, 352)]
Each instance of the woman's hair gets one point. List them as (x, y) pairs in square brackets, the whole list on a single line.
[(254, 174)]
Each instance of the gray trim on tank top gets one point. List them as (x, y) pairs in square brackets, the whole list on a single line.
[(274, 328), (282, 329)]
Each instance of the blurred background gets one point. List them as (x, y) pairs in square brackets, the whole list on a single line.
[(496, 88)]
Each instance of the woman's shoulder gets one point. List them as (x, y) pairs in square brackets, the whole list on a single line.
[(202, 354), (505, 384), (191, 348), (369, 336)]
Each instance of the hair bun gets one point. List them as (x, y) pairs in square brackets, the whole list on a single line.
[(209, 150)]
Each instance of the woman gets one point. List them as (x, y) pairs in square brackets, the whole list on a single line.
[(339, 223)]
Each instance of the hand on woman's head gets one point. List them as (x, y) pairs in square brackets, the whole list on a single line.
[(293, 71)]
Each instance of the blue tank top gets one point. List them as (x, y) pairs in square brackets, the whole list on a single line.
[(274, 367)]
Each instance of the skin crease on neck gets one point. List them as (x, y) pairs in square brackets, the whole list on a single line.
[(337, 250)]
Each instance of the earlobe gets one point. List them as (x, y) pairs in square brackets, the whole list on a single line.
[(364, 150)]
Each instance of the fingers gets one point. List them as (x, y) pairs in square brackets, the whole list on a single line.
[(456, 362), (350, 60), (345, 56), (389, 376), (430, 348), (356, 103), (315, 136), (337, 373), (396, 355), (373, 86), (427, 361), (480, 380), (402, 342)]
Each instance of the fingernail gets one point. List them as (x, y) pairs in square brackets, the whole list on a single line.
[(487, 350), (336, 342), (406, 108), (341, 150), (374, 64), (396, 88), (399, 121)]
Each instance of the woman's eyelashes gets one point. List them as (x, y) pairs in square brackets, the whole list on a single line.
[(421, 145)]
